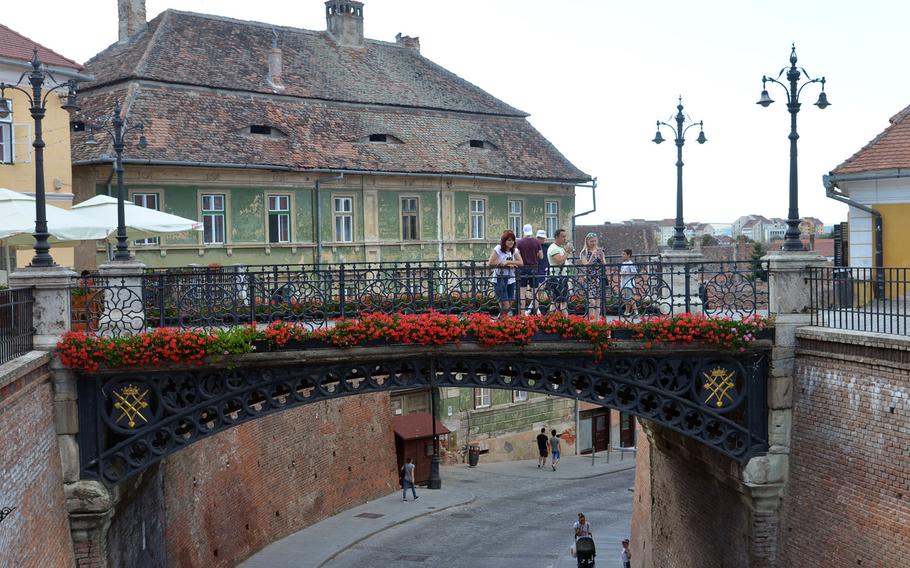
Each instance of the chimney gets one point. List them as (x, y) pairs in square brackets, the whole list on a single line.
[(274, 77), (344, 20), (408, 41), (131, 17)]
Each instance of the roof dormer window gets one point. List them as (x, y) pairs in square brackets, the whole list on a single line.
[(262, 131), (482, 144), (380, 138)]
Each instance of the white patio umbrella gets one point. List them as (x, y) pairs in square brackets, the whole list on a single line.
[(141, 222), (17, 222)]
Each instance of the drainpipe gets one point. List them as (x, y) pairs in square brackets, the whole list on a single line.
[(831, 191), (593, 206), (318, 212)]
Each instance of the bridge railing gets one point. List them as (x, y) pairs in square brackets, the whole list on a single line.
[(860, 298), (319, 295), (17, 329)]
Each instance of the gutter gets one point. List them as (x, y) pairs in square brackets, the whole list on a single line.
[(593, 205), (54, 70), (830, 182), (334, 171)]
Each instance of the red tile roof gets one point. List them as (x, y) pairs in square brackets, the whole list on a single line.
[(198, 81), (417, 425), (14, 45), (890, 150)]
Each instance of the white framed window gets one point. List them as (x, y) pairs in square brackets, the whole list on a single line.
[(213, 217), (343, 211), (6, 136), (482, 398), (478, 218), (279, 218), (409, 229), (519, 396), (149, 201), (551, 218), (515, 216)]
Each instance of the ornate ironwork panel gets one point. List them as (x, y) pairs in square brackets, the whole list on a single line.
[(130, 421)]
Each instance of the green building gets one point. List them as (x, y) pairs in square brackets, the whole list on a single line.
[(296, 146)]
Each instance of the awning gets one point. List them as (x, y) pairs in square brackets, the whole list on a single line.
[(417, 425)]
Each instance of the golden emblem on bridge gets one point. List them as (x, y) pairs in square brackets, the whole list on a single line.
[(131, 402), (719, 382)]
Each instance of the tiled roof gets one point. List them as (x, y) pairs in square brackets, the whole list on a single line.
[(14, 45), (198, 49), (198, 81), (890, 150), (188, 125)]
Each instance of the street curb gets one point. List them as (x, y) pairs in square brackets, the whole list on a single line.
[(617, 470), (395, 524)]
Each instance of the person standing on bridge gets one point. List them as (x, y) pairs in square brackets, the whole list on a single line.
[(407, 478), (504, 259), (543, 447), (554, 449)]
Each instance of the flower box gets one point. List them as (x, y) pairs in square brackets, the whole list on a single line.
[(621, 334)]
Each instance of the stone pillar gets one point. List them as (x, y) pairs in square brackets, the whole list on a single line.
[(766, 476), (51, 313), (124, 310), (675, 276)]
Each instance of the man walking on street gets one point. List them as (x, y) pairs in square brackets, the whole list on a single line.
[(554, 449), (407, 478), (626, 556), (531, 254), (543, 447)]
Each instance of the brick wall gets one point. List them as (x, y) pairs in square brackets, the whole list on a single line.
[(692, 510), (225, 497), (848, 498), (37, 533)]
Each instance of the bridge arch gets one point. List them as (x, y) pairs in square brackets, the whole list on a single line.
[(129, 421)]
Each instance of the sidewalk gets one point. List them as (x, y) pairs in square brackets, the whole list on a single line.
[(316, 545)]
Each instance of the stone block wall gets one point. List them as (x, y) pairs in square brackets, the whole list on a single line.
[(37, 532), (847, 502), (689, 508), (225, 497)]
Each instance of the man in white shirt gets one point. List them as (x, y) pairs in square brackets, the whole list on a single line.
[(558, 256)]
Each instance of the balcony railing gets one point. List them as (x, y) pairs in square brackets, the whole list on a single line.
[(225, 296), (862, 299), (17, 330)]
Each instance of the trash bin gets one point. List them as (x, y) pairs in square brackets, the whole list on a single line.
[(473, 454), (843, 288)]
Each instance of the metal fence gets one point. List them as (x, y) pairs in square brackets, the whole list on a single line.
[(17, 331), (861, 299), (225, 296)]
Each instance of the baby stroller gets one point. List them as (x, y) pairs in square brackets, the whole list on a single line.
[(584, 551)]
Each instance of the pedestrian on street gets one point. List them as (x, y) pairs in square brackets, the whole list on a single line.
[(407, 478), (531, 255), (543, 447), (582, 527), (626, 556), (554, 449)]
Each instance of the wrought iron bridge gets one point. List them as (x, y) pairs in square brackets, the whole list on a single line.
[(319, 294)]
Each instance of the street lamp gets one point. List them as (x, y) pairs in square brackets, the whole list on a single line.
[(38, 106), (117, 127), (791, 238), (679, 236)]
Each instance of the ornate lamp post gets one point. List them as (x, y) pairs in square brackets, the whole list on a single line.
[(679, 133), (37, 99), (117, 127), (791, 238)]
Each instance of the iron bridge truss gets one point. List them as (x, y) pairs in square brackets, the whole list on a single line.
[(131, 421)]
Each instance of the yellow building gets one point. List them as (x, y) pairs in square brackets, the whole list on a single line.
[(17, 164), (875, 182)]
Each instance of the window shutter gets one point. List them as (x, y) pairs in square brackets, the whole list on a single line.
[(22, 143)]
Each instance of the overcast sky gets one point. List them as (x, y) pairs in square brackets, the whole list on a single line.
[(595, 75)]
